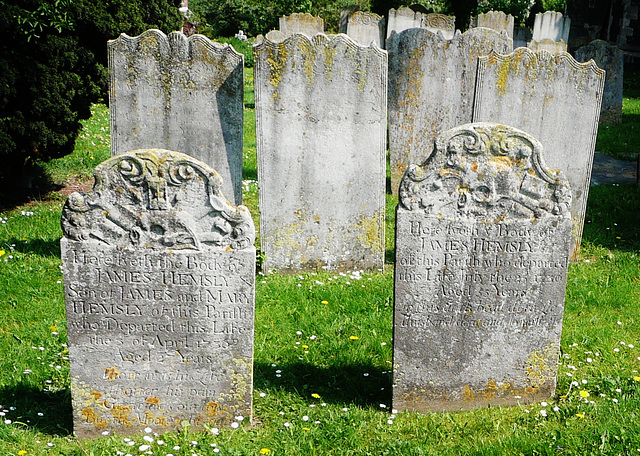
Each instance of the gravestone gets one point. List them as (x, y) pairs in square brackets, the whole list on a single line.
[(546, 44), (551, 25), (611, 59), (555, 99), (274, 35), (365, 28), (179, 93), (431, 86), (482, 245), (159, 286), (321, 137), (402, 19), (496, 20), (304, 23), (440, 23)]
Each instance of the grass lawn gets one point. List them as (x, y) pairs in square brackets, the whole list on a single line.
[(323, 348)]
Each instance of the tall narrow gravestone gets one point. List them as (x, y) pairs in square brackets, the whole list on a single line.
[(610, 58), (321, 136), (498, 21), (482, 250), (555, 99), (159, 287), (179, 93), (402, 19), (366, 28), (431, 87)]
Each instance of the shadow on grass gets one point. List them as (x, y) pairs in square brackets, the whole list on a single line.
[(356, 384), (613, 217), (50, 248), (46, 412)]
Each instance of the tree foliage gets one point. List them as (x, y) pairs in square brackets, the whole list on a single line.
[(53, 61)]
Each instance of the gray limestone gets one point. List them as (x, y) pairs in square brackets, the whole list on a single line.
[(321, 131), (555, 99), (179, 93), (497, 20), (159, 287), (431, 86), (551, 25), (482, 244), (611, 59), (366, 28), (304, 23)]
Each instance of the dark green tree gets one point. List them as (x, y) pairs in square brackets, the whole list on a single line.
[(53, 63)]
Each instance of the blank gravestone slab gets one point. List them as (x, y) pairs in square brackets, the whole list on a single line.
[(482, 245), (555, 99), (551, 25), (159, 285), (366, 28), (610, 58), (431, 86), (179, 93), (321, 131), (303, 23), (403, 19), (498, 21)]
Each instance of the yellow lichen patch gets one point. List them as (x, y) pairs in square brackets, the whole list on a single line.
[(538, 366), (370, 236), (152, 400), (121, 414), (148, 417), (111, 373), (491, 389), (276, 62), (95, 395), (89, 414), (211, 409), (162, 420), (468, 393), (502, 161)]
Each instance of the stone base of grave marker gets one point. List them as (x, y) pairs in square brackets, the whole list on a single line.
[(159, 286), (482, 246)]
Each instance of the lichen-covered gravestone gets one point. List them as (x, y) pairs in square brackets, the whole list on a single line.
[(431, 87), (555, 99), (159, 285), (610, 58), (321, 136), (482, 248), (179, 93)]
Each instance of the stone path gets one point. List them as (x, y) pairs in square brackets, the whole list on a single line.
[(608, 170)]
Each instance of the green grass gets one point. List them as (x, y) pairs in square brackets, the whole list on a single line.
[(623, 140), (323, 349)]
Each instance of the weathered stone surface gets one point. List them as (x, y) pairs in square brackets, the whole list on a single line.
[(159, 286), (498, 21), (304, 23), (321, 131), (403, 19), (555, 99), (440, 23), (431, 87), (546, 44), (482, 244), (551, 25), (611, 59), (366, 28), (179, 93)]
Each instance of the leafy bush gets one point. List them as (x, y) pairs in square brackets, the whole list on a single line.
[(53, 65)]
